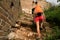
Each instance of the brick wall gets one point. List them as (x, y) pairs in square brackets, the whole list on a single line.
[(9, 13)]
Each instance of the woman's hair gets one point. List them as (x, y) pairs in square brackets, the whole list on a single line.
[(36, 2)]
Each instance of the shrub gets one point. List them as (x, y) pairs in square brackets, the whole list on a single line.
[(53, 17)]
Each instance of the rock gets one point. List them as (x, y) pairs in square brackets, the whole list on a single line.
[(30, 34), (11, 35)]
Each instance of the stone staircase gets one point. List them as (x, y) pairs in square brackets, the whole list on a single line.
[(8, 16), (25, 32)]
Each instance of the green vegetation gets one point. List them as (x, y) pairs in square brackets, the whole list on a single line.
[(53, 17)]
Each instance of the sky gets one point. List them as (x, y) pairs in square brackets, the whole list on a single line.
[(53, 2)]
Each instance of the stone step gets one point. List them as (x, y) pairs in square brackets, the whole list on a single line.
[(26, 18), (28, 14), (26, 22)]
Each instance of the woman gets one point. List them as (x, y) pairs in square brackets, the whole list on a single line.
[(38, 17)]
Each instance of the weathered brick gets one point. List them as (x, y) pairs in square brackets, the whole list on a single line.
[(0, 27), (3, 23), (0, 21), (3, 12), (6, 27), (10, 16), (2, 33), (6, 19)]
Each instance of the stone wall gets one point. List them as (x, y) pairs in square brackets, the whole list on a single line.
[(9, 13)]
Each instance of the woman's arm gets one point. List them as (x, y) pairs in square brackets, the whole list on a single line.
[(44, 16)]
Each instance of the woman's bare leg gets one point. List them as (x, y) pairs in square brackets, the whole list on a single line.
[(38, 29)]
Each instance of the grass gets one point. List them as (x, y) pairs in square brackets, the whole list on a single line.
[(53, 17)]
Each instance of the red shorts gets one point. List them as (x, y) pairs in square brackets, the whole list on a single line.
[(39, 18)]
